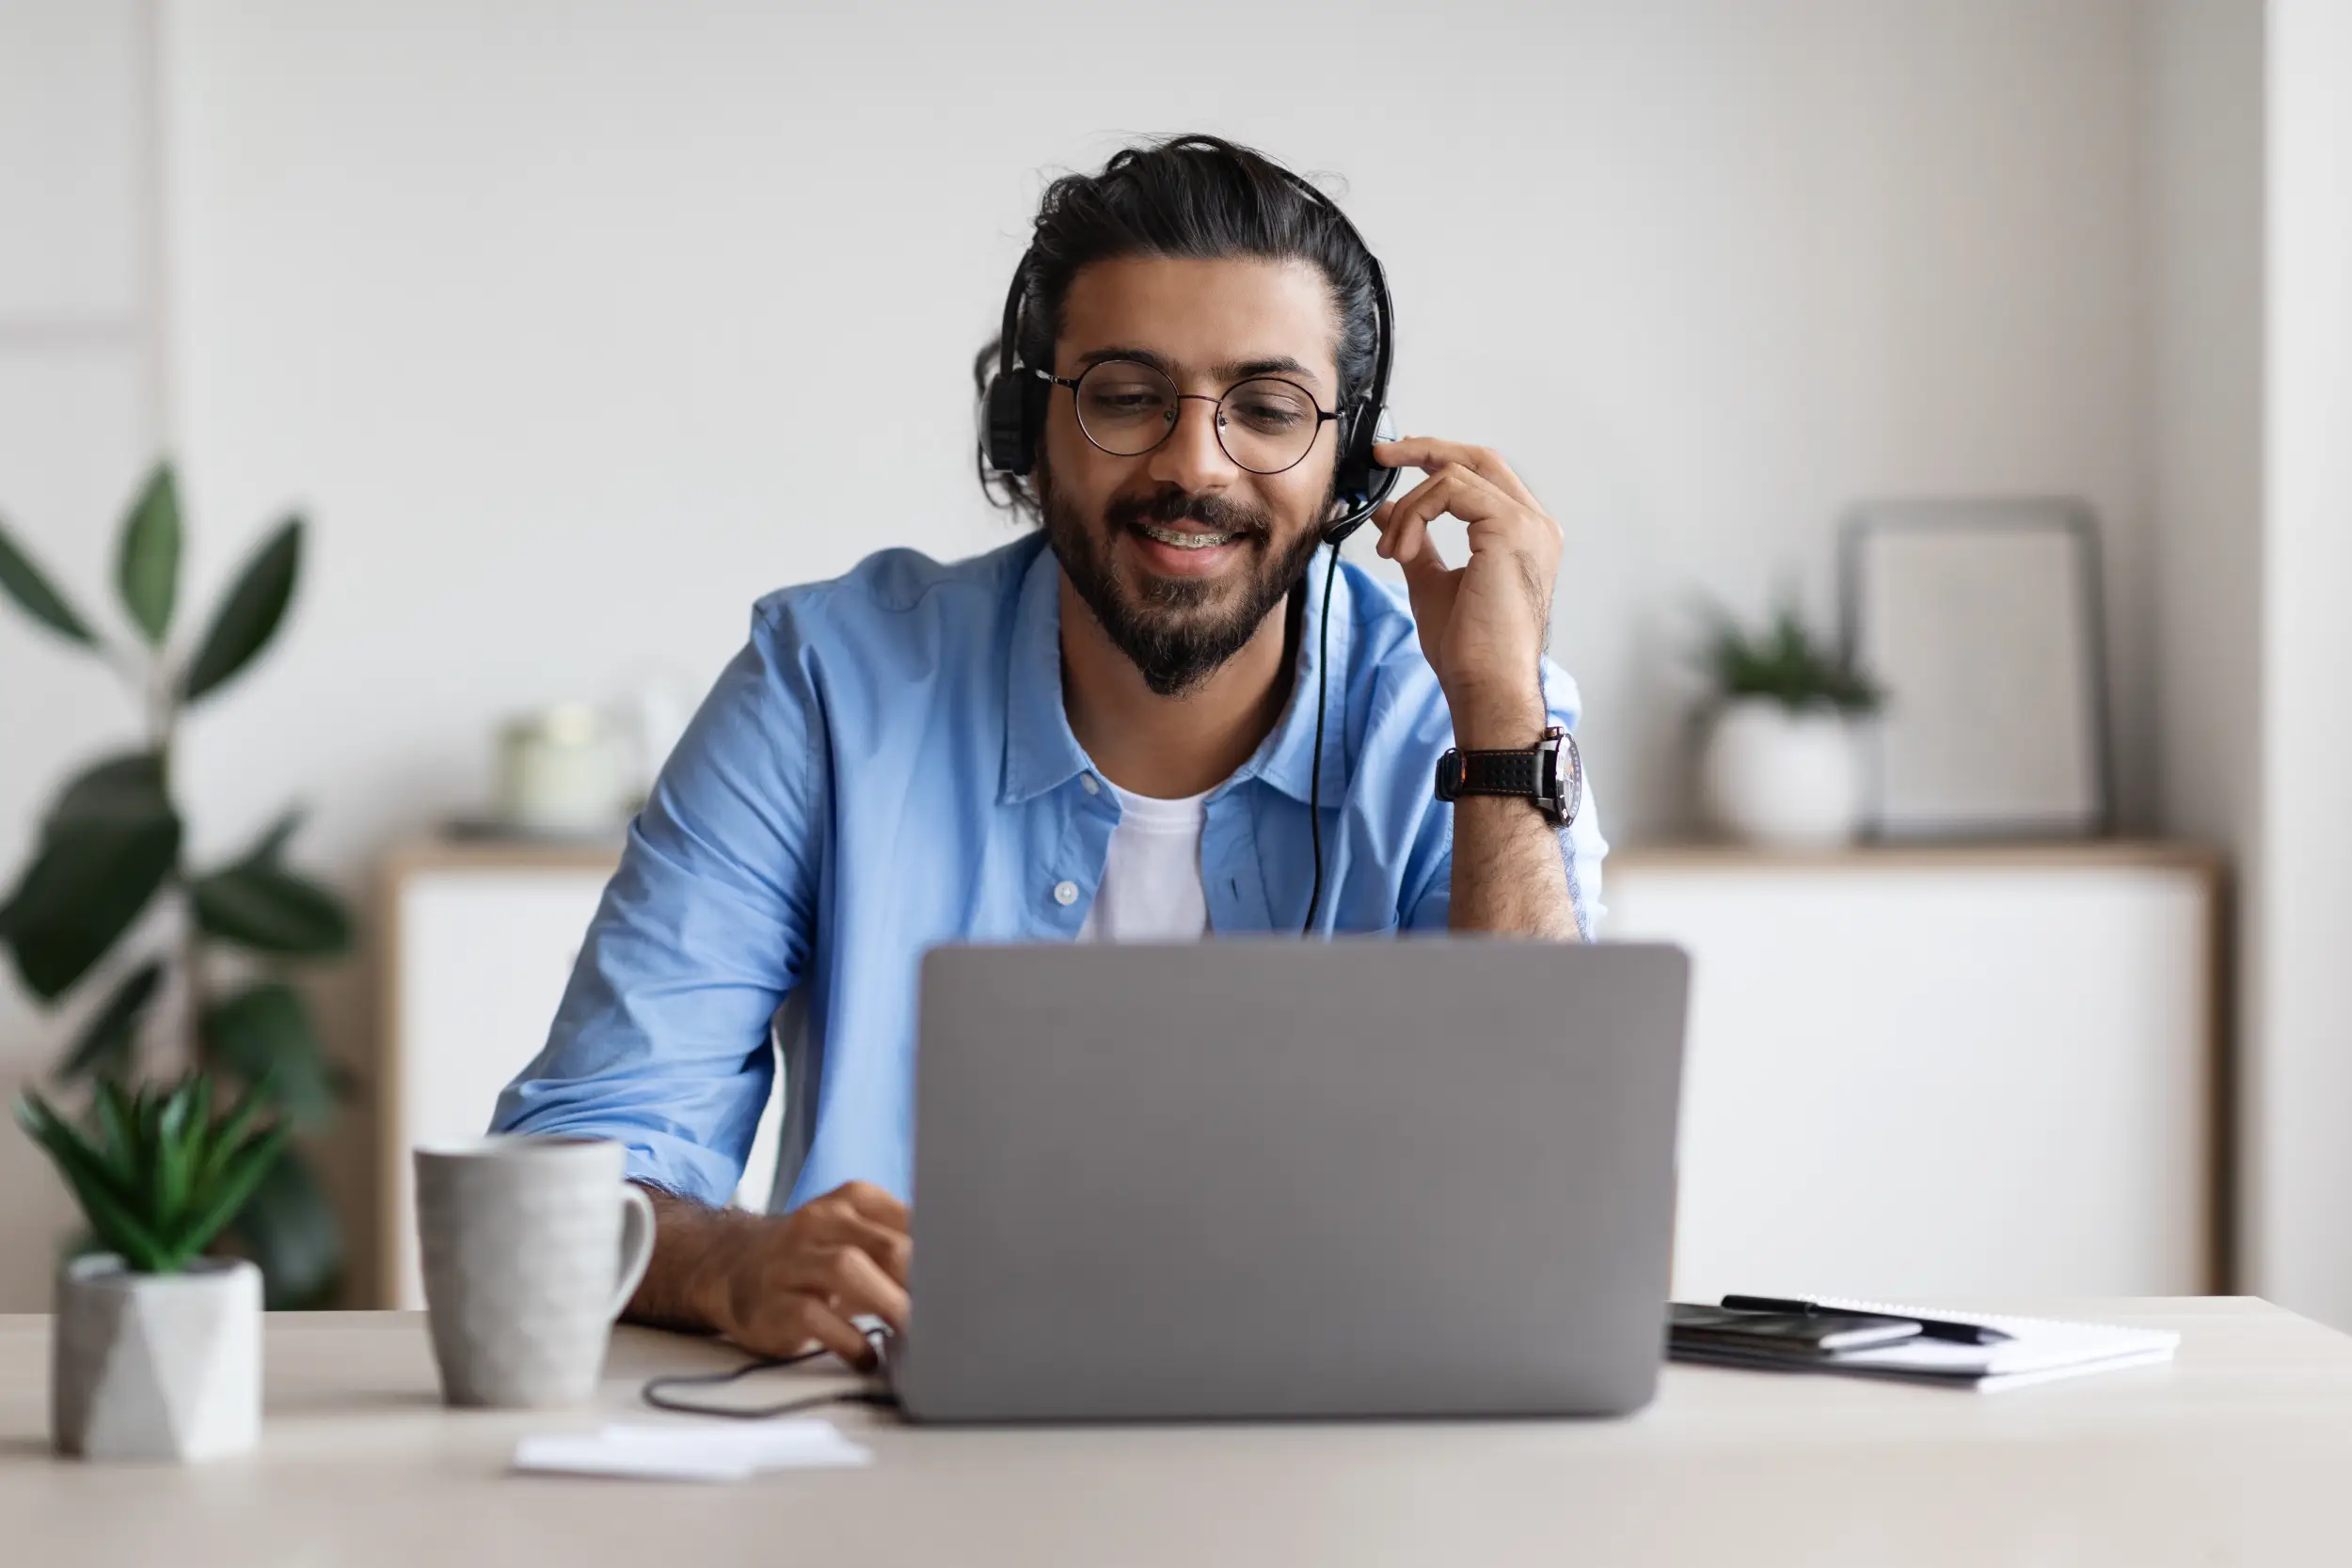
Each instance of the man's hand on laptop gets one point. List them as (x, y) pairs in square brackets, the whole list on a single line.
[(781, 1284)]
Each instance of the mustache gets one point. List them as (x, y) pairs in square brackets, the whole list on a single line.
[(1167, 507)]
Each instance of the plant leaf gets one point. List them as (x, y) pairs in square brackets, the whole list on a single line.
[(108, 845), (230, 1188), (42, 1120), (30, 587), (110, 1213), (262, 1034), (267, 850), (236, 1131), (146, 1130), (147, 566), (177, 1146), (257, 905), (1783, 663), (292, 1235), (104, 1043), (248, 617), (233, 1193), (116, 1116)]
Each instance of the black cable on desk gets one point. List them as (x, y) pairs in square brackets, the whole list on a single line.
[(656, 1396)]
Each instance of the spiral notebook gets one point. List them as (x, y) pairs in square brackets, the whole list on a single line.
[(2039, 1350)]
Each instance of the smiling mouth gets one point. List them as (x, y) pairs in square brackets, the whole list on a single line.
[(1182, 539)]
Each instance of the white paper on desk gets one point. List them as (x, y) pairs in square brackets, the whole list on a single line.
[(587, 1454), (2037, 1347), (784, 1443), (704, 1450)]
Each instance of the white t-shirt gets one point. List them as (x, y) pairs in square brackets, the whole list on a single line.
[(1151, 889)]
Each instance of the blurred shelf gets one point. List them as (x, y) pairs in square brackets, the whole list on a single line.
[(503, 854), (2109, 853)]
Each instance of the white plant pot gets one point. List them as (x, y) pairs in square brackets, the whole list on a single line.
[(1782, 778), (156, 1365)]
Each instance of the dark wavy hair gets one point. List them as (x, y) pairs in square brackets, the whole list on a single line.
[(1194, 197)]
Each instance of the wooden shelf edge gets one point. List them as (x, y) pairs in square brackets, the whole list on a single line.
[(490, 854), (2104, 854)]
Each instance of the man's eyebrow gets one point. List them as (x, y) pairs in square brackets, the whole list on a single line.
[(1280, 364), (1159, 362), (1232, 371)]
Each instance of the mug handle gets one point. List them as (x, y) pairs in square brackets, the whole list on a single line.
[(636, 1244)]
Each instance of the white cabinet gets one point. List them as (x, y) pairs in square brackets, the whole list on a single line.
[(1942, 1073), (482, 943), (482, 939), (1930, 1073)]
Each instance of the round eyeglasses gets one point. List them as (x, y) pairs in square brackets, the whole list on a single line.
[(1125, 408)]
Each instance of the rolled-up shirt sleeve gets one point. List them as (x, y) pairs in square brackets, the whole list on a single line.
[(662, 1041)]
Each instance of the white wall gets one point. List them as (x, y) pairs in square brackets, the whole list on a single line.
[(581, 325), (2301, 1090), (577, 325), (79, 412), (2204, 111)]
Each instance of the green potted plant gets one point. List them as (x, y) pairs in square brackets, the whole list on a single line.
[(209, 982), (156, 1352), (1779, 765)]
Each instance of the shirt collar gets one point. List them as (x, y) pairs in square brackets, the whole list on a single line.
[(1041, 754)]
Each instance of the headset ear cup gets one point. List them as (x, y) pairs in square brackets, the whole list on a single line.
[(1347, 474), (1359, 483), (1011, 443), (1357, 474)]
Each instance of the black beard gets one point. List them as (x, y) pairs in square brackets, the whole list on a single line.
[(1177, 635)]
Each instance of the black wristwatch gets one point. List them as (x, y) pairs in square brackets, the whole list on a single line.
[(1549, 773)]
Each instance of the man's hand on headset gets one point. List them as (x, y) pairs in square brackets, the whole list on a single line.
[(1483, 624)]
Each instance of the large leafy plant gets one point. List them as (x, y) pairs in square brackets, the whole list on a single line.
[(156, 1176), (111, 845), (1785, 664)]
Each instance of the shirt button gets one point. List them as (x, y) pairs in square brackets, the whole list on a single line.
[(1065, 894), (1086, 782)]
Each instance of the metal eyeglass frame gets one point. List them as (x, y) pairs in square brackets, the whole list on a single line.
[(1323, 416)]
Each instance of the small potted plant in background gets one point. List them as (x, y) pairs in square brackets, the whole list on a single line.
[(156, 1352), (1779, 765)]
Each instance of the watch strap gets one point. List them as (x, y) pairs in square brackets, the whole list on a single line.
[(1520, 773), (1497, 773)]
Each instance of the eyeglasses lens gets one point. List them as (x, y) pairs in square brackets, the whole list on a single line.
[(1265, 425)]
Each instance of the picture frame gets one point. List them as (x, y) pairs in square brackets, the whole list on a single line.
[(1982, 622)]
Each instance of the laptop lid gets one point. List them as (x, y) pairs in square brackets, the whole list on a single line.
[(1270, 1178)]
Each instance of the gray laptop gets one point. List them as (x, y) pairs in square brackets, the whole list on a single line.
[(1246, 1178)]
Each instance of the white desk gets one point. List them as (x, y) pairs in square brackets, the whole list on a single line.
[(2239, 1452)]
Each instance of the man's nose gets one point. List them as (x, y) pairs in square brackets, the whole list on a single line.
[(1191, 458)]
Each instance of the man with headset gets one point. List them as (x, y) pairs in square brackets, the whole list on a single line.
[(1143, 721)]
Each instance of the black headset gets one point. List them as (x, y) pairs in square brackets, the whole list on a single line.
[(1014, 409)]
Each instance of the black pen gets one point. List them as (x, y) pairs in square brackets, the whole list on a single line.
[(1930, 1328)]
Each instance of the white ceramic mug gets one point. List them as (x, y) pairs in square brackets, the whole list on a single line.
[(532, 1247)]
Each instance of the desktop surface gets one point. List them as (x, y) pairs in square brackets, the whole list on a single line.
[(2236, 1452)]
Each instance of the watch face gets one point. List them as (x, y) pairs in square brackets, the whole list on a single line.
[(1567, 780)]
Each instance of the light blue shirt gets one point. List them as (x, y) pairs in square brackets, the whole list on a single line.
[(885, 767)]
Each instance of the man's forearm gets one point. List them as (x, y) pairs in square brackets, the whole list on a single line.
[(1509, 874), (686, 1285)]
